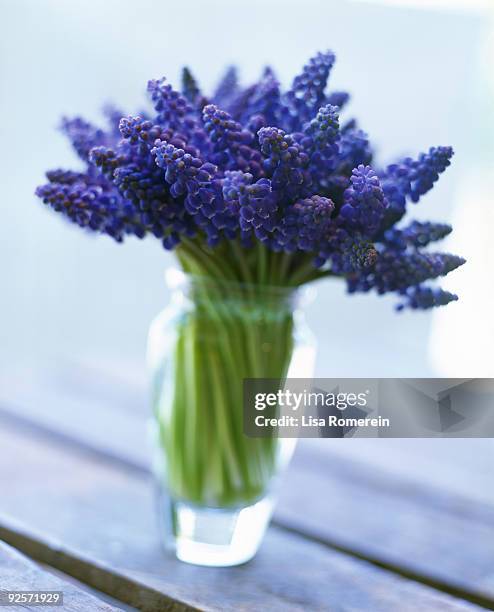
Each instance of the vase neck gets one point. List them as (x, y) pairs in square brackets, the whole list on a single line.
[(199, 289)]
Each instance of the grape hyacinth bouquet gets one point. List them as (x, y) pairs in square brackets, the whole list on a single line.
[(258, 191)]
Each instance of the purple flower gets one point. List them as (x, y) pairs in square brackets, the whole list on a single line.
[(285, 163), (424, 298), (83, 135), (252, 203), (354, 148), (93, 208), (348, 252), (231, 144), (319, 140), (411, 179), (307, 93), (396, 271), (227, 87), (256, 164), (137, 130), (338, 98), (107, 160), (265, 103), (305, 225), (198, 184), (172, 108), (364, 202), (69, 177), (417, 234)]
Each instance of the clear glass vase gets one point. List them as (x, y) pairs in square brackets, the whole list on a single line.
[(215, 484)]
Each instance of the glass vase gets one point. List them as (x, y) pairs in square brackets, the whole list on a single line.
[(216, 485)]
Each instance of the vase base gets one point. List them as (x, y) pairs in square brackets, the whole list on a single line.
[(216, 537)]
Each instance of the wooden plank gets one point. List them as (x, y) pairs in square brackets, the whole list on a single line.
[(461, 466), (95, 521), (18, 573), (439, 539), (67, 402), (430, 534)]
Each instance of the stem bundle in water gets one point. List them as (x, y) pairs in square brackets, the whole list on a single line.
[(229, 332)]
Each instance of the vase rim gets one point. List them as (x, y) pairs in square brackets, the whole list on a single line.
[(178, 280)]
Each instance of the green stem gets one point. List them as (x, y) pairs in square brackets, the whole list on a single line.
[(262, 263), (237, 326)]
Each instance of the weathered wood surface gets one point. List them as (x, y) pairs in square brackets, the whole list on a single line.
[(18, 573), (460, 466), (434, 535), (95, 521)]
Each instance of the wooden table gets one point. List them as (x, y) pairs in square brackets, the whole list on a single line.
[(77, 497)]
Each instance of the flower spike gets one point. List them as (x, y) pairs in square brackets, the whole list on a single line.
[(424, 298), (307, 92), (364, 205)]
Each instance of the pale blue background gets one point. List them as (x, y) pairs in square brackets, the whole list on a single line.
[(415, 80)]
